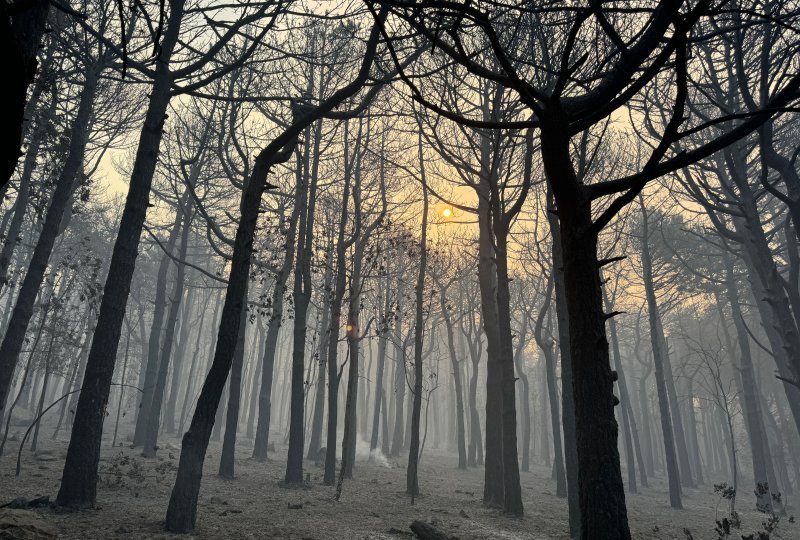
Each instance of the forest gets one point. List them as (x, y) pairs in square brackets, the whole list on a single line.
[(385, 269)]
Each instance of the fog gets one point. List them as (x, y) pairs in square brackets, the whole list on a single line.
[(386, 269)]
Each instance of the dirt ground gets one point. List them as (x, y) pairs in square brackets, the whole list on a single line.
[(133, 494)]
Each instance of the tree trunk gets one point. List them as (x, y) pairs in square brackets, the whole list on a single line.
[(333, 334), (552, 393), (315, 442), (475, 451), (567, 397), (306, 200), (22, 26), (400, 376), (353, 332), (195, 355), (12, 237), (156, 329), (177, 369), (601, 490), (412, 477), (626, 419), (512, 500), (79, 481), (455, 364), (659, 355), (121, 387), (226, 460), (261, 443), (493, 490), (383, 343), (254, 380), (687, 475), (182, 510), (754, 421), (154, 421), (60, 200)]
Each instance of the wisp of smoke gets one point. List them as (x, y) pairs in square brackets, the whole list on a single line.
[(363, 453)]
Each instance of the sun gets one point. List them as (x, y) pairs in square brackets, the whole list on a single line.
[(447, 212)]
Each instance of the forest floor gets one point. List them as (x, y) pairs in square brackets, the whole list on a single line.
[(133, 493)]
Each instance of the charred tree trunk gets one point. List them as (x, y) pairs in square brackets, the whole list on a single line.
[(154, 339), (658, 345), (601, 490), (340, 284), (22, 26), (512, 500), (12, 236), (383, 342), (493, 490), (154, 420), (261, 443), (60, 200), (567, 396), (79, 481), (182, 510), (315, 443), (625, 410), (177, 369), (307, 191), (226, 460), (547, 346), (412, 476), (455, 365)]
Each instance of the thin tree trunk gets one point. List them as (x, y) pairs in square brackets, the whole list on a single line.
[(60, 200), (412, 479), (567, 396), (333, 335), (399, 379), (754, 421), (261, 443), (195, 356), (22, 26), (43, 393), (301, 293), (455, 365), (154, 421), (383, 330), (624, 411), (121, 388), (156, 330), (256, 377), (177, 368), (659, 354)]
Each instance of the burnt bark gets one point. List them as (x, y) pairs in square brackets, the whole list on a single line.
[(60, 200), (226, 460), (79, 481), (22, 26), (601, 490)]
